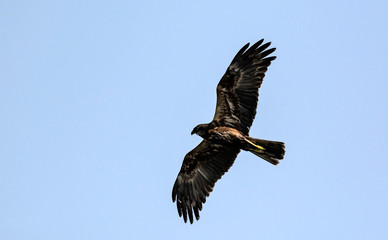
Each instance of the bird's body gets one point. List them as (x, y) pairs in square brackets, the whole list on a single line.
[(226, 136), (228, 133)]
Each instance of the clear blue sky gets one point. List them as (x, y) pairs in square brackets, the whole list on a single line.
[(98, 100)]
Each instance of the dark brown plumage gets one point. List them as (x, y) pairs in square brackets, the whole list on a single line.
[(228, 132)]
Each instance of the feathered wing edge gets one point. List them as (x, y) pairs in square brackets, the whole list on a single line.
[(201, 169), (238, 89)]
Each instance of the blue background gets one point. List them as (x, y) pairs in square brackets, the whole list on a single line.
[(98, 99)]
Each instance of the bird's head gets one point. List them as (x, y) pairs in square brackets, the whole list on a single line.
[(201, 130)]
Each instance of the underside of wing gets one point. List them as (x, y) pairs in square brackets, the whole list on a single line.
[(238, 89), (201, 169)]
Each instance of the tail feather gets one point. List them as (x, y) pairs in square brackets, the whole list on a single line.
[(270, 151)]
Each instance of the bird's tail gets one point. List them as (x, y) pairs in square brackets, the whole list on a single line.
[(270, 151)]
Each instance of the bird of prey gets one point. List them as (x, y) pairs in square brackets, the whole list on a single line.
[(228, 132)]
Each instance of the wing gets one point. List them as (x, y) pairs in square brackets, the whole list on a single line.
[(238, 89), (201, 169)]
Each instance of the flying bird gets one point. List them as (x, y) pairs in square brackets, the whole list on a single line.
[(228, 133)]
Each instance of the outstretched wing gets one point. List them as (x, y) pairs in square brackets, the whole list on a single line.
[(238, 89), (201, 169)]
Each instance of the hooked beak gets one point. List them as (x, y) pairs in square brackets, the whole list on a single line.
[(192, 132)]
